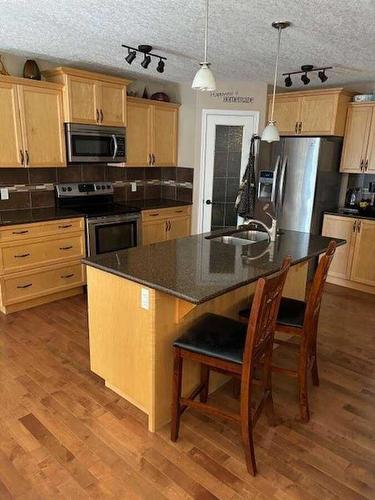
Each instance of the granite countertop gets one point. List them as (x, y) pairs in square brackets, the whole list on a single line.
[(197, 269), (26, 216), (368, 213), (157, 203)]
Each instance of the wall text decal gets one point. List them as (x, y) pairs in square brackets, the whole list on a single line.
[(232, 96)]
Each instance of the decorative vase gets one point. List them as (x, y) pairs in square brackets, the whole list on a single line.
[(31, 70)]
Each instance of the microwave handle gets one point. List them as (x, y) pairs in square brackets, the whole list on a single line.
[(115, 146)]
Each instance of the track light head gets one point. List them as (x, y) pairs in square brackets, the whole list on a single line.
[(146, 61), (305, 79), (160, 66), (322, 75), (288, 81), (131, 56)]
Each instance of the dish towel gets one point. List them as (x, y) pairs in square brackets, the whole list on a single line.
[(246, 197)]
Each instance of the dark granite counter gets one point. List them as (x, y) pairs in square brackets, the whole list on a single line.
[(156, 204), (26, 216), (368, 213), (198, 269)]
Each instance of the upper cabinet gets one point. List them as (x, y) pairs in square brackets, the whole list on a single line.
[(32, 127), (359, 143), (313, 112), (152, 129), (91, 98)]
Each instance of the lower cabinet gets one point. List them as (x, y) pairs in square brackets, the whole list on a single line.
[(165, 224), (40, 263), (353, 264)]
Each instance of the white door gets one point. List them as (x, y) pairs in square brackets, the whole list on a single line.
[(226, 139)]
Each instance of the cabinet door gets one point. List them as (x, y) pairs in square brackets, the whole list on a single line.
[(179, 227), (370, 158), (11, 147), (318, 114), (340, 227), (42, 126), (112, 104), (138, 134), (363, 269), (164, 135), (153, 232), (83, 97), (286, 114), (356, 138)]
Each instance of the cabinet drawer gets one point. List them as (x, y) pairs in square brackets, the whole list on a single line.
[(25, 286), (22, 232), (164, 213), (47, 251)]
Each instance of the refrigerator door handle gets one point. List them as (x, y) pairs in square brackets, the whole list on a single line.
[(275, 175), (281, 183)]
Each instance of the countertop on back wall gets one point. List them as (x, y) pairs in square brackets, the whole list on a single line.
[(360, 214), (29, 215)]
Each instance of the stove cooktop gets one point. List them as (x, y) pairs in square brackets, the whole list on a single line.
[(105, 210)]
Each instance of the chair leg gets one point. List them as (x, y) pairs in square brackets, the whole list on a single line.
[(302, 391), (176, 395), (314, 369), (205, 380), (247, 438), (267, 385)]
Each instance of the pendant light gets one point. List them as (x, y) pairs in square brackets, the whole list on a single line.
[(204, 78), (270, 133)]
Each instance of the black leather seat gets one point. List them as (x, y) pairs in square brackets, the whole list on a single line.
[(291, 312), (215, 336)]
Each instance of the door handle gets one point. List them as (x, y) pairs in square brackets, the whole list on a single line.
[(354, 226), (296, 128), (300, 128), (209, 202), (20, 232), (149, 158), (66, 248), (115, 147), (22, 157), (22, 255), (101, 116), (153, 159), (365, 166), (64, 226), (97, 115), (361, 166), (27, 157), (359, 227), (166, 225), (25, 286)]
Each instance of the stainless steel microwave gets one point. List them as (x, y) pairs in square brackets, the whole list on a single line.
[(93, 143)]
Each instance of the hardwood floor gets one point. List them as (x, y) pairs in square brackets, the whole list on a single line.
[(64, 435)]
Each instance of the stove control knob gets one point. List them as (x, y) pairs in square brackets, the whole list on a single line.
[(64, 189), (97, 186), (69, 188), (103, 187), (108, 186)]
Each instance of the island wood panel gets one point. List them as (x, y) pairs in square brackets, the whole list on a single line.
[(11, 146), (131, 346)]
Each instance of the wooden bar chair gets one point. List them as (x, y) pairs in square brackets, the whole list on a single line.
[(301, 319), (230, 347)]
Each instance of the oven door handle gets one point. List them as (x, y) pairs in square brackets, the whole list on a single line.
[(115, 146)]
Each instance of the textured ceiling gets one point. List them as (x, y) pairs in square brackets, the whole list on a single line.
[(242, 44)]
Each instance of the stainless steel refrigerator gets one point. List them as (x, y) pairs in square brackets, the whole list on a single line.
[(305, 180)]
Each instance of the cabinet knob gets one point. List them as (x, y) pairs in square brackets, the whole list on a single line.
[(361, 166), (97, 115), (300, 128), (365, 166), (153, 159), (359, 226), (296, 128), (354, 226), (27, 157), (101, 116), (22, 157)]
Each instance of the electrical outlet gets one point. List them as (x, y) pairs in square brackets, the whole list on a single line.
[(133, 187), (145, 298), (4, 193)]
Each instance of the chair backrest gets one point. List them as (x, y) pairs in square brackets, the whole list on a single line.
[(310, 324), (263, 315)]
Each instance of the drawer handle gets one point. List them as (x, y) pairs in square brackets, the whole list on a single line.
[(153, 215), (179, 211), (22, 255), (66, 248), (67, 275), (64, 226), (20, 232), (25, 286)]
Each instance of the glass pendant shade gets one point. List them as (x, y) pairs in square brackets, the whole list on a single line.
[(270, 133), (204, 78)]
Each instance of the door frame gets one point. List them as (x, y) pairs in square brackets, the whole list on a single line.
[(206, 113)]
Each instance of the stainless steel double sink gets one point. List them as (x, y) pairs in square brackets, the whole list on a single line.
[(241, 237)]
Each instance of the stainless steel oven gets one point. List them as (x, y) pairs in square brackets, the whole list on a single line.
[(111, 233), (95, 143)]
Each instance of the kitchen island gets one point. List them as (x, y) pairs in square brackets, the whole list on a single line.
[(141, 299)]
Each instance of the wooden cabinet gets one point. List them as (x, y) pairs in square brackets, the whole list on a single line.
[(152, 129), (92, 98), (165, 224), (313, 112), (353, 264), (32, 127), (40, 262), (359, 143)]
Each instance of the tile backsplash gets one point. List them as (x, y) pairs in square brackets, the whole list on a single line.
[(34, 188)]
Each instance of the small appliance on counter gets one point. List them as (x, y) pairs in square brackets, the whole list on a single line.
[(95, 143), (109, 226)]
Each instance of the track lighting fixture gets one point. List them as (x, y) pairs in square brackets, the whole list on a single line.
[(147, 58), (160, 66), (288, 81), (305, 79), (305, 69), (322, 75), (131, 56)]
